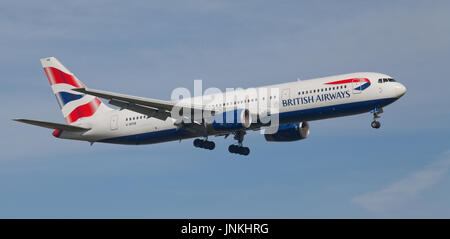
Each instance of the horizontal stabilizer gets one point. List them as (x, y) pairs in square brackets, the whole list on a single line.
[(51, 125)]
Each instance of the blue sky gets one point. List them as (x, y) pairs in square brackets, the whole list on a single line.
[(345, 169)]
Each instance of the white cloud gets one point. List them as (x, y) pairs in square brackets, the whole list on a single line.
[(397, 194)]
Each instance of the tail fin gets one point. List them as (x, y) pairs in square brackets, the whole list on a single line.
[(73, 104)]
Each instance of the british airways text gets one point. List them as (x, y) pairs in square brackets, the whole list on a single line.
[(317, 98)]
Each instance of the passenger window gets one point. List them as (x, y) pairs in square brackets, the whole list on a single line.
[(385, 80), (380, 80)]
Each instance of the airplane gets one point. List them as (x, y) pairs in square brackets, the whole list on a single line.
[(139, 120)]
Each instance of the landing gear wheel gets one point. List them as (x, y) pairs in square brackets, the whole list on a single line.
[(244, 151), (197, 143), (232, 148), (375, 124), (210, 145), (376, 114), (205, 144), (236, 149)]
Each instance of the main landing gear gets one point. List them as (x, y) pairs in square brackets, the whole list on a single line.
[(376, 114), (204, 144), (239, 149), (235, 149)]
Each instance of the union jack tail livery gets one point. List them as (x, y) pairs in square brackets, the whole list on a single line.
[(74, 105)]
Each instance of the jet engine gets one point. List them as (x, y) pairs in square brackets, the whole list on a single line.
[(232, 120), (289, 132)]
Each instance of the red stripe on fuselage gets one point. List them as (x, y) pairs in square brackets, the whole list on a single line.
[(56, 76), (348, 81), (85, 110)]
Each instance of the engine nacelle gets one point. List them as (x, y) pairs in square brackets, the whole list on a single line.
[(233, 119), (289, 132)]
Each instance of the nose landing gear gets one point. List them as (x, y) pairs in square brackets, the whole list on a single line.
[(375, 124), (376, 114)]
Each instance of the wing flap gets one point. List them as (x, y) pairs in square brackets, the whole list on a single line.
[(159, 109), (51, 125), (154, 103), (151, 112)]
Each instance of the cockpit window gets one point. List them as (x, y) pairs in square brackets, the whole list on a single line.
[(385, 80)]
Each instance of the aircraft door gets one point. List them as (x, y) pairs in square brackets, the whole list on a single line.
[(114, 122), (285, 94)]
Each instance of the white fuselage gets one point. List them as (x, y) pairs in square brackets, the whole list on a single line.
[(295, 102)]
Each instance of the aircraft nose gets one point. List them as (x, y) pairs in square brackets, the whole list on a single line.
[(400, 90)]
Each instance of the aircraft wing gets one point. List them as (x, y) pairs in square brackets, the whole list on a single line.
[(160, 109), (51, 125)]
